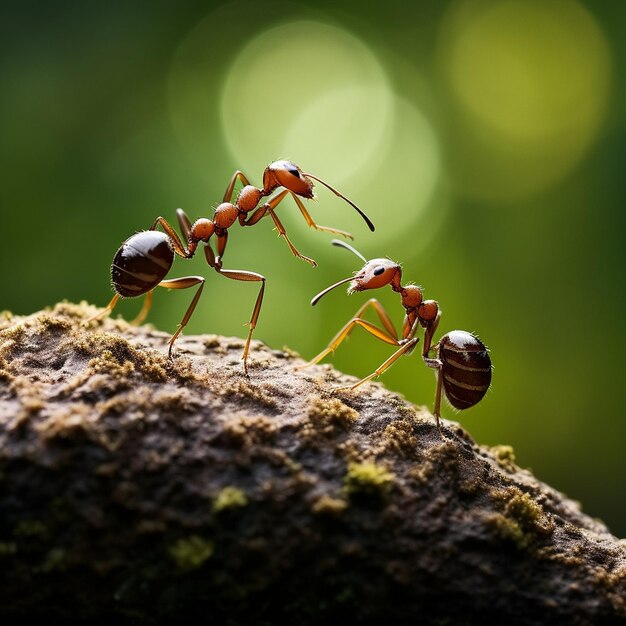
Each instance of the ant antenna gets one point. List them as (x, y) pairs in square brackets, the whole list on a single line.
[(347, 246), (323, 293), (337, 193)]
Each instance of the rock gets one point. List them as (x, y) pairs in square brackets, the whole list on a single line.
[(137, 490)]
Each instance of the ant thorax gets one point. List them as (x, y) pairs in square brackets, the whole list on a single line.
[(225, 215), (411, 297), (248, 198)]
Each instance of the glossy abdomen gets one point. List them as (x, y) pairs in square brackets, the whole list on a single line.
[(466, 368), (141, 263)]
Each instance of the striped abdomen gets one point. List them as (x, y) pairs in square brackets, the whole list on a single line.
[(141, 263), (466, 368)]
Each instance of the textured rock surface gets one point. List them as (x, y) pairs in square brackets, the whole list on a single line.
[(144, 491)]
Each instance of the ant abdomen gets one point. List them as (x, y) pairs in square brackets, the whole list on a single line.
[(465, 368), (141, 263)]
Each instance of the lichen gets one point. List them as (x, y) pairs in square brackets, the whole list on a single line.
[(230, 498), (189, 553), (367, 478)]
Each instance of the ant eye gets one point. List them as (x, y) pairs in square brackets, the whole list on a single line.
[(294, 171), (379, 270)]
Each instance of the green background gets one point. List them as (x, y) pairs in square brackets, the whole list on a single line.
[(486, 141)]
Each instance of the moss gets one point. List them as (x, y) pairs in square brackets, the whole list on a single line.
[(56, 560), (327, 413), (7, 548), (115, 355), (191, 552), (31, 529), (367, 478), (245, 430), (107, 363), (289, 353), (244, 390), (505, 457), (522, 520), (230, 498), (327, 505), (52, 323), (400, 436)]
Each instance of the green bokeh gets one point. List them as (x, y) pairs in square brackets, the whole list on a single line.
[(508, 209)]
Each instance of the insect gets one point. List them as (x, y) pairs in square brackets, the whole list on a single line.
[(144, 260), (462, 361)]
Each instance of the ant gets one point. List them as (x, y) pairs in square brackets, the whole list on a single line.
[(461, 359), (143, 260)]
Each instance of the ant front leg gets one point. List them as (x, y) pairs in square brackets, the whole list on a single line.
[(312, 224), (269, 207), (389, 336), (406, 347), (183, 283)]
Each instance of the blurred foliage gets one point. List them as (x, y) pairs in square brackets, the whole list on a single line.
[(485, 139)]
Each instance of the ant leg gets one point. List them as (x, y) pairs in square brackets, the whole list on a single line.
[(283, 233), (428, 335), (437, 365), (248, 277), (184, 222), (228, 195), (183, 283), (210, 257), (222, 240), (109, 307), (147, 304), (390, 361), (345, 331), (390, 337), (179, 248), (312, 224), (269, 207), (434, 363), (257, 214)]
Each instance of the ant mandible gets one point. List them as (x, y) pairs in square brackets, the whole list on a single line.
[(461, 359), (143, 260)]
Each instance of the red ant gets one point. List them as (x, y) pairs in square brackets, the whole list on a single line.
[(461, 359), (143, 260)]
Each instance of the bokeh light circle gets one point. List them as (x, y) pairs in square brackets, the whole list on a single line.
[(307, 91), (400, 185), (532, 81)]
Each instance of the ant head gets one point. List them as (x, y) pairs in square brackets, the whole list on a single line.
[(288, 175), (376, 273)]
